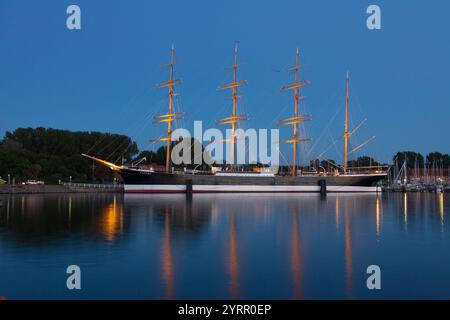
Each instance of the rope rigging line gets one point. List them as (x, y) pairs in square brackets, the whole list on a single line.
[(121, 111), (115, 139), (327, 127), (133, 133)]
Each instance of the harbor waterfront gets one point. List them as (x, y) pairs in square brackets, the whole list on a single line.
[(225, 246), (228, 158), (60, 188), (228, 175), (119, 188)]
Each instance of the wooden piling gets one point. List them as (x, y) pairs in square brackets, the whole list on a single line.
[(189, 188), (323, 187)]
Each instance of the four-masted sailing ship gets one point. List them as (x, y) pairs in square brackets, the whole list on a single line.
[(140, 180)]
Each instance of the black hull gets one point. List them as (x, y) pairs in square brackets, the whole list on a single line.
[(141, 181)]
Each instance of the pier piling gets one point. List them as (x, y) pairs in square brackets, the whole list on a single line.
[(189, 188), (323, 187)]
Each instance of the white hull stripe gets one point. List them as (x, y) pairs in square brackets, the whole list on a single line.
[(243, 188), (352, 189)]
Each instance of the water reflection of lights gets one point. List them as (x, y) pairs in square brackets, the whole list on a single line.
[(111, 222), (405, 208), (7, 212), (167, 259), (337, 212), (69, 210), (441, 207), (377, 210), (214, 213), (348, 254), (233, 260), (296, 257)]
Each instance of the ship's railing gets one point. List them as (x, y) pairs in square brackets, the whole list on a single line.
[(368, 169), (92, 185), (351, 171), (244, 174)]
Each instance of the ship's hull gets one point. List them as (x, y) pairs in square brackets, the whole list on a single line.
[(141, 181)]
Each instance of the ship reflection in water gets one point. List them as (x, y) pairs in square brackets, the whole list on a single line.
[(219, 246)]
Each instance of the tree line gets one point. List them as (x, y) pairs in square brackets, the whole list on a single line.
[(54, 155), (413, 160), (417, 160)]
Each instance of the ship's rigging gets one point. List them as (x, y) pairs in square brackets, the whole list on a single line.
[(235, 117), (170, 116), (143, 179), (296, 118), (347, 132)]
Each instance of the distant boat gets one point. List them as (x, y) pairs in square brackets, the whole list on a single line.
[(138, 180)]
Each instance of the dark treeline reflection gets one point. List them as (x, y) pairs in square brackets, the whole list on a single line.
[(42, 219), (45, 219)]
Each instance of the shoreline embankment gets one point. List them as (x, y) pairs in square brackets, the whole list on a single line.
[(60, 188)]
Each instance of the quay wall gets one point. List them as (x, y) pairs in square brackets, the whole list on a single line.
[(61, 188)]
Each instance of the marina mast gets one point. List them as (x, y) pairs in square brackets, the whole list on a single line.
[(170, 116), (296, 119), (346, 132), (235, 118)]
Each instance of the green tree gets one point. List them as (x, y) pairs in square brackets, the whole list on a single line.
[(438, 159), (328, 164), (412, 159), (363, 161), (51, 154)]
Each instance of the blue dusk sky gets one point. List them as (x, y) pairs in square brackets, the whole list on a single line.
[(103, 76)]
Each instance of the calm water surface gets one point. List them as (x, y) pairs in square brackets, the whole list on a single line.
[(225, 246)]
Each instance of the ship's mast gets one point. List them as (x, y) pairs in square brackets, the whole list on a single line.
[(346, 132), (296, 119), (170, 116), (235, 118)]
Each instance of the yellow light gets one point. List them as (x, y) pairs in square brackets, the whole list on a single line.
[(378, 215), (110, 223), (405, 207)]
